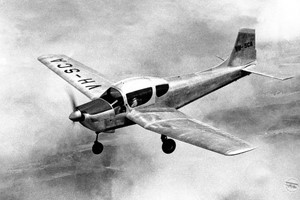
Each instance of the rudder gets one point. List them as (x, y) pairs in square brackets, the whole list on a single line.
[(244, 51)]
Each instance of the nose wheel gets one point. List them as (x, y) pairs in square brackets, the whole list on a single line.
[(97, 146), (168, 145)]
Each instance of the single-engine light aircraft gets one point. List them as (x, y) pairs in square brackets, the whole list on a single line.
[(153, 102)]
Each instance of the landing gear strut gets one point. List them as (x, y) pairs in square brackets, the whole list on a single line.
[(97, 146), (168, 145)]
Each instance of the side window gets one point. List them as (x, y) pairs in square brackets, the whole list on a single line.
[(139, 97), (162, 89)]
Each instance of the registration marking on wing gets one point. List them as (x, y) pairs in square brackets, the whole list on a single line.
[(69, 69)]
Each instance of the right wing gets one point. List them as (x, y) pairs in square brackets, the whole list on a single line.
[(86, 80), (175, 124)]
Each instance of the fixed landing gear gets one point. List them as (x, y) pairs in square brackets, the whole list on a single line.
[(97, 146), (168, 145)]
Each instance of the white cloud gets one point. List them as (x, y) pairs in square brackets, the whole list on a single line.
[(279, 20), (129, 37)]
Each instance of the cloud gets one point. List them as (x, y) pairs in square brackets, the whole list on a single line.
[(159, 38), (279, 20)]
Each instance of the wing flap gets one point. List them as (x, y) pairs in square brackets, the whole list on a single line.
[(86, 80), (177, 125)]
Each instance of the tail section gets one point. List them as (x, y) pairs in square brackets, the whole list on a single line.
[(244, 51), (244, 55)]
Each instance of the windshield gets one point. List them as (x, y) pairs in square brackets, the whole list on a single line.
[(115, 98)]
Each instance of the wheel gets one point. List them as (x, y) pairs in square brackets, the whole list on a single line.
[(168, 146), (97, 147)]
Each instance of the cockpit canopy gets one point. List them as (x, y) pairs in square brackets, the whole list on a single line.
[(112, 95), (142, 90), (115, 99), (137, 91)]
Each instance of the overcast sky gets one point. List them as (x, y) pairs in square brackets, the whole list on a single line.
[(121, 39)]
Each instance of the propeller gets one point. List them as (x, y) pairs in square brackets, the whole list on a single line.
[(76, 115), (72, 99)]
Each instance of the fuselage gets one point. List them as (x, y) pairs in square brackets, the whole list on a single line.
[(176, 92), (188, 88)]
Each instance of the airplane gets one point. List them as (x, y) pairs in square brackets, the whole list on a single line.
[(153, 102)]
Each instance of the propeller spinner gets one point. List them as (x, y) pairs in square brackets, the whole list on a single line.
[(76, 115)]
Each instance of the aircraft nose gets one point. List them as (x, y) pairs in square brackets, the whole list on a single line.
[(76, 116)]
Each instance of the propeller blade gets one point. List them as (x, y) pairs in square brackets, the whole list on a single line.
[(72, 99)]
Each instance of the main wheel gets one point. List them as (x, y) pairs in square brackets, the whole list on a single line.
[(97, 147), (168, 146)]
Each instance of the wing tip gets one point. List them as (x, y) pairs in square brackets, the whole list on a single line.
[(43, 57), (234, 152)]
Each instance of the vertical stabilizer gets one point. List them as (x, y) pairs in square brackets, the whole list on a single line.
[(244, 49)]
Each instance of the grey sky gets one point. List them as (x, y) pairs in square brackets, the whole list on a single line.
[(127, 38)]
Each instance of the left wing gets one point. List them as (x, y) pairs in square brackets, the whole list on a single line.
[(175, 124), (86, 80)]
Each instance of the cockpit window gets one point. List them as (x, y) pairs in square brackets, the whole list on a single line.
[(162, 89), (139, 97), (115, 98), (111, 95)]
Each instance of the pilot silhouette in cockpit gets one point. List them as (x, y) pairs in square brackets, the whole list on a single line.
[(134, 102)]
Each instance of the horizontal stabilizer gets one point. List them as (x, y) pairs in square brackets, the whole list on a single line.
[(290, 65), (272, 74)]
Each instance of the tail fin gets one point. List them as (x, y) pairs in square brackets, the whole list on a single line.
[(244, 49)]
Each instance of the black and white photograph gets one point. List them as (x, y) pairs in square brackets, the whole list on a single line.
[(153, 100)]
